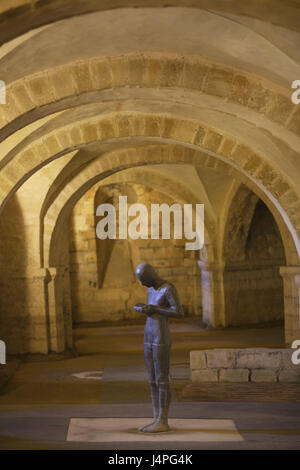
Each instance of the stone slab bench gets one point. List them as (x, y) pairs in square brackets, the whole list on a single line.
[(244, 365)]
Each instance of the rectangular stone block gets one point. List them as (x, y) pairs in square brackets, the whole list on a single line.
[(263, 375), (197, 360), (259, 359), (221, 358), (218, 82), (204, 375), (234, 375), (289, 376)]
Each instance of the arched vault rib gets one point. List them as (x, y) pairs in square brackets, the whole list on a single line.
[(168, 127), (287, 141), (248, 131), (85, 156), (59, 211), (109, 164), (289, 246), (34, 96)]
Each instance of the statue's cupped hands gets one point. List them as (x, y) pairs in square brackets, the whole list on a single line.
[(144, 308)]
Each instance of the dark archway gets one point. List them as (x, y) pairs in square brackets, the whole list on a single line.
[(254, 253)]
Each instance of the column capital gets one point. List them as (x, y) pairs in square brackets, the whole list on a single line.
[(286, 271)]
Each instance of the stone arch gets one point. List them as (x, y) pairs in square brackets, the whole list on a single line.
[(164, 128), (253, 292), (135, 252), (187, 156), (213, 92), (237, 154), (77, 187), (76, 83), (57, 245), (193, 138), (289, 246)]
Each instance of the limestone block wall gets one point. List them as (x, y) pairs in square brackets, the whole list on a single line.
[(253, 296), (102, 272), (244, 365), (23, 319)]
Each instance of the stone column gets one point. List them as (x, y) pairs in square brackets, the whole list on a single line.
[(291, 287), (23, 323), (37, 305), (197, 291), (213, 311), (59, 326)]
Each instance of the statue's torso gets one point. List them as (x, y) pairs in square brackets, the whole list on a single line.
[(157, 326)]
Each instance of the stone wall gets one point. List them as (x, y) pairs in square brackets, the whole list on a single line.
[(253, 296), (102, 272), (243, 365), (22, 286)]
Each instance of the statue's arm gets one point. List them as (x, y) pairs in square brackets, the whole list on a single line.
[(143, 308), (175, 309)]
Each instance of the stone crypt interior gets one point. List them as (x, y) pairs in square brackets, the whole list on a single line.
[(163, 102)]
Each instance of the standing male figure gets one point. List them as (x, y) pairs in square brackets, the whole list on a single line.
[(163, 302)]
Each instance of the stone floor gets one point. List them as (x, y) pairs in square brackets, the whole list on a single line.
[(105, 385), (241, 392)]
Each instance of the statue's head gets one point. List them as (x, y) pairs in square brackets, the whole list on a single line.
[(147, 275)]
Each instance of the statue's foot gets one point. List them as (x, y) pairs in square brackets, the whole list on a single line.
[(141, 429), (156, 426)]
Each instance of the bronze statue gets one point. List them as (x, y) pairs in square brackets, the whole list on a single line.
[(163, 302)]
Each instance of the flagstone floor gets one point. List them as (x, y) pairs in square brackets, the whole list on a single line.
[(100, 398)]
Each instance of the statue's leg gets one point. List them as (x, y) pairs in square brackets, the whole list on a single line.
[(161, 365), (148, 355), (154, 398)]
